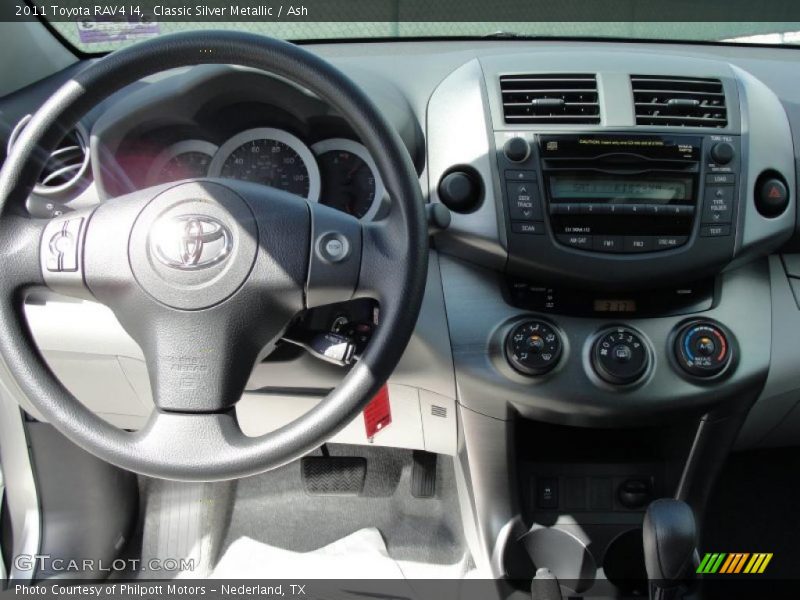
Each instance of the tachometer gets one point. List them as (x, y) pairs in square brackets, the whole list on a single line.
[(350, 180), (271, 157), (184, 160)]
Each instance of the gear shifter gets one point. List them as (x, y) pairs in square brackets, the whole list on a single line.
[(670, 540)]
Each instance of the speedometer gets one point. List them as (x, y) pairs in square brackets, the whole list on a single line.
[(271, 157)]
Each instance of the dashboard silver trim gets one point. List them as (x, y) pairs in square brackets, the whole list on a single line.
[(270, 133)]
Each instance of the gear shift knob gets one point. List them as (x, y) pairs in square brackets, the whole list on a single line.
[(670, 540)]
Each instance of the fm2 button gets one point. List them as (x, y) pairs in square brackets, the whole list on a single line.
[(533, 347)]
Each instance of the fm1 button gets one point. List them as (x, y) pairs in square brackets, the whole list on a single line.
[(333, 247)]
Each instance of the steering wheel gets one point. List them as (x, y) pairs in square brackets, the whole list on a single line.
[(206, 275)]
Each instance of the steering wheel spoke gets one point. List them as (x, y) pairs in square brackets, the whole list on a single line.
[(334, 256)]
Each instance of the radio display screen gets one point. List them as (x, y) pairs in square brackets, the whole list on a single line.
[(621, 189)]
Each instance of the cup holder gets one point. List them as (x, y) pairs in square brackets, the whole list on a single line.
[(566, 555), (623, 563)]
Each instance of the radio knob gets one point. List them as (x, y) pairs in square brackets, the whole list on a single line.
[(722, 153), (517, 149)]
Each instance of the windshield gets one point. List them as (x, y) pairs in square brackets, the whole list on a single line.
[(104, 35)]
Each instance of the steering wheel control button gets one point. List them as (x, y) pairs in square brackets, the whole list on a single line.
[(619, 356), (333, 247), (61, 252), (772, 195), (702, 349), (533, 347)]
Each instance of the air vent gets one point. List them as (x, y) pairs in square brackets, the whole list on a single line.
[(550, 99), (65, 166), (679, 101)]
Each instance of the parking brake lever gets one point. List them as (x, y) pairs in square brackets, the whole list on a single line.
[(334, 348)]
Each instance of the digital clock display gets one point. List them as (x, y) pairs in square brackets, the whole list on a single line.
[(615, 306)]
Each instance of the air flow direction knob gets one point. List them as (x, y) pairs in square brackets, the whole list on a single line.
[(517, 149), (533, 347)]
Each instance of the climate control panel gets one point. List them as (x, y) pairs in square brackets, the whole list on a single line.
[(620, 355)]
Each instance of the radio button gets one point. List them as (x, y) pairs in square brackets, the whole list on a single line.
[(527, 228), (718, 204), (607, 243), (642, 243), (523, 202), (517, 175), (715, 230), (666, 242), (720, 179), (575, 240)]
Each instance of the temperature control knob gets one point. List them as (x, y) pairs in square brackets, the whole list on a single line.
[(533, 347), (619, 356), (702, 349)]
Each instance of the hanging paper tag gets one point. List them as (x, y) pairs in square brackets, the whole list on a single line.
[(378, 413)]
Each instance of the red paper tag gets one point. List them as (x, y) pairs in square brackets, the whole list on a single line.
[(378, 413)]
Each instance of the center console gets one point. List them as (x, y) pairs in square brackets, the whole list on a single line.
[(606, 288)]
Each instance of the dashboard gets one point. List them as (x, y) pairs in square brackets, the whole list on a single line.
[(593, 197), (294, 146)]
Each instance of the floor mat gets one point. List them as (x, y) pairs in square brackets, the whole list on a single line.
[(361, 555), (274, 509)]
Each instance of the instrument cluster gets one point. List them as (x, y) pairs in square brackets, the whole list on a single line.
[(337, 172)]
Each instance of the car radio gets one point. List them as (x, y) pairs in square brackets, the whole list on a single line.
[(623, 195)]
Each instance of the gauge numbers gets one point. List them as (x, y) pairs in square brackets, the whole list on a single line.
[(271, 157)]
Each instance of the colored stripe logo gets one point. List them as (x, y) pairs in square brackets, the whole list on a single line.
[(734, 563)]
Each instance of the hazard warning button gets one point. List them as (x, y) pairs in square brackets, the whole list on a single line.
[(772, 195)]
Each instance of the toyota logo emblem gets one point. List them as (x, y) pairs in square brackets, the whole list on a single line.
[(190, 242)]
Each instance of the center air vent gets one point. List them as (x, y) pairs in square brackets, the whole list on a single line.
[(679, 101), (65, 166), (550, 99)]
